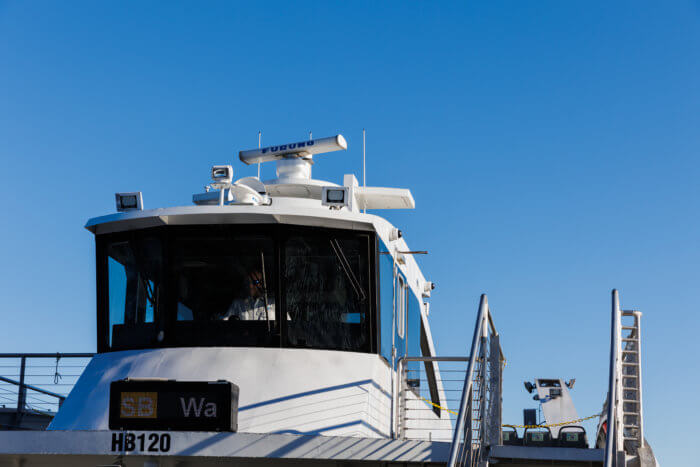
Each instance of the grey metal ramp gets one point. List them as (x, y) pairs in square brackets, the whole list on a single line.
[(522, 456), (90, 448)]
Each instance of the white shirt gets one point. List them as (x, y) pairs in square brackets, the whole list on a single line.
[(251, 309)]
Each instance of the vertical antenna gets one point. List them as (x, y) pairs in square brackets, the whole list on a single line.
[(364, 178), (259, 143), (311, 136)]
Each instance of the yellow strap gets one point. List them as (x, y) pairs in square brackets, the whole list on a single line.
[(520, 426), (554, 424), (439, 406)]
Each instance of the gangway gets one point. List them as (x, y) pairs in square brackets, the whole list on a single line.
[(478, 439)]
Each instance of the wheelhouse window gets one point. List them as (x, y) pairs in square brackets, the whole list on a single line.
[(326, 288), (224, 288), (134, 275), (233, 285)]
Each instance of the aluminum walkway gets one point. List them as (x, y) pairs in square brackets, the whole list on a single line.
[(91, 448)]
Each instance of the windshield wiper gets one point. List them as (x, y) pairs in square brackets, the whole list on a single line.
[(264, 284), (345, 264)]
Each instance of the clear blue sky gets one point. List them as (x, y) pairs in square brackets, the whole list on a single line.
[(552, 149)]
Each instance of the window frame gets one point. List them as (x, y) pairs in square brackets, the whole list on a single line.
[(381, 249), (295, 231), (102, 284), (279, 233), (401, 297)]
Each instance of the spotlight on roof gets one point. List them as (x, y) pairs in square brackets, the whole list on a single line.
[(335, 197), (221, 176), (129, 201), (529, 386)]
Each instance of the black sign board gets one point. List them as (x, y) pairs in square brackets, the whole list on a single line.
[(146, 404)]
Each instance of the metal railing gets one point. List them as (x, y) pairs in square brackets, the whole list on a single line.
[(36, 383), (479, 419), (428, 396)]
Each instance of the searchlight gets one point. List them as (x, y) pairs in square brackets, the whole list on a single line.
[(132, 201)]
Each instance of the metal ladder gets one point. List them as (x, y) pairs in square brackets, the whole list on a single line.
[(625, 443), (630, 382)]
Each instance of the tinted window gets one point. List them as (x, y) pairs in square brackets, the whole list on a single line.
[(326, 291), (231, 285), (134, 269), (413, 334), (224, 287), (386, 294)]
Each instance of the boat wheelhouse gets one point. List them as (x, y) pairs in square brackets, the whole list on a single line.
[(284, 288)]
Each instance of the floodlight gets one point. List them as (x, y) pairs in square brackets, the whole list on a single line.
[(221, 176), (132, 201), (395, 234), (335, 196), (302, 149), (529, 386)]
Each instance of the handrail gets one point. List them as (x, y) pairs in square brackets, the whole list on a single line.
[(434, 359), (466, 392), (34, 388), (28, 401), (611, 435), (46, 355)]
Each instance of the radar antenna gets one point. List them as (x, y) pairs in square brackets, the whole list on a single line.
[(294, 160)]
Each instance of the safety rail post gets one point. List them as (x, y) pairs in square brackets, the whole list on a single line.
[(21, 392), (465, 406), (401, 402), (612, 438)]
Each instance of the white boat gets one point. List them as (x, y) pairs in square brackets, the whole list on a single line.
[(279, 322)]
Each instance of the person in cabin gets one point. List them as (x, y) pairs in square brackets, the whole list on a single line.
[(257, 305)]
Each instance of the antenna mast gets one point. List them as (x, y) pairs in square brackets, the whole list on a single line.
[(364, 171), (364, 181), (259, 146)]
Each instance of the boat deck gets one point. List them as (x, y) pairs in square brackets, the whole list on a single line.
[(90, 448), (524, 456)]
